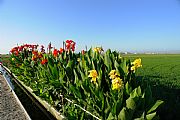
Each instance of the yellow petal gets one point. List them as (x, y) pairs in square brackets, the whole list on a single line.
[(112, 72), (93, 79), (112, 76)]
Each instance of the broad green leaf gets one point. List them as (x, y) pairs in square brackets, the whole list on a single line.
[(150, 116), (116, 65), (110, 117), (148, 96), (142, 117), (139, 91), (107, 60), (123, 115), (130, 103), (157, 104), (128, 88), (123, 66), (75, 91), (70, 64)]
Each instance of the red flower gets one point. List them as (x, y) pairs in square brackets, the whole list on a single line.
[(35, 52), (44, 61), (40, 55), (16, 53), (83, 52), (61, 50), (42, 49), (14, 49), (20, 48), (73, 46), (49, 47), (26, 46), (34, 58), (55, 53), (70, 45)]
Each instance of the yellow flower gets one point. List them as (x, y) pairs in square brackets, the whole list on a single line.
[(117, 83), (133, 68), (93, 74), (98, 49), (78, 59), (95, 49), (113, 74), (13, 59), (136, 64)]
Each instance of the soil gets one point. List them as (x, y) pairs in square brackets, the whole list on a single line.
[(9, 107)]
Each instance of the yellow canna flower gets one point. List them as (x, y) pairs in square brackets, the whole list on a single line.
[(136, 64), (117, 83), (98, 49), (13, 59), (95, 50), (93, 74), (113, 74), (78, 59), (133, 68)]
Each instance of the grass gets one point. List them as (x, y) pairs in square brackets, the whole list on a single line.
[(163, 73), (4, 58)]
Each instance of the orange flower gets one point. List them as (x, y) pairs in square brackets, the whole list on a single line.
[(34, 58), (40, 55), (44, 61), (55, 53), (61, 50)]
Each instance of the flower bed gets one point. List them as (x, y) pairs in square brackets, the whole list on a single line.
[(90, 84)]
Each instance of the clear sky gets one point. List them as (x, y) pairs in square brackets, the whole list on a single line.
[(124, 25)]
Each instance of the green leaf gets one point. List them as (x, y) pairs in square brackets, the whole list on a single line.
[(130, 103), (150, 116), (141, 118), (148, 96), (123, 66), (70, 64), (107, 60), (110, 117), (123, 115), (76, 80), (139, 91), (116, 65), (75, 91), (158, 103), (134, 94), (128, 89)]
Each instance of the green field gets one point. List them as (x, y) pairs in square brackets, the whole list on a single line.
[(4, 58), (163, 73)]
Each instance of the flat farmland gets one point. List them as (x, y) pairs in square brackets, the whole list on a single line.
[(162, 71)]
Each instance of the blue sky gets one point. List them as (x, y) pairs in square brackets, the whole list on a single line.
[(124, 25)]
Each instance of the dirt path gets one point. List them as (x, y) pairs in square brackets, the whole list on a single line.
[(9, 107)]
